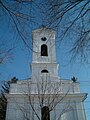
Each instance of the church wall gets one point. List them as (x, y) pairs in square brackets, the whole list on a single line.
[(80, 111), (50, 42), (31, 86), (19, 108)]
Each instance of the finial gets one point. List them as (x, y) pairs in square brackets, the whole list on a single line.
[(74, 79)]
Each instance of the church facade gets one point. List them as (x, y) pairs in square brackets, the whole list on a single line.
[(45, 96)]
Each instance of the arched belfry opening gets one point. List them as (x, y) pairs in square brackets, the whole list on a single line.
[(44, 71), (45, 113), (44, 50)]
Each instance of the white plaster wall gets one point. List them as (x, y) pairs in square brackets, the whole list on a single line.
[(19, 108), (37, 68), (37, 42), (30, 86), (80, 111)]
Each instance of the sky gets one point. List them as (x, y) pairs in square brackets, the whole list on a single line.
[(19, 64)]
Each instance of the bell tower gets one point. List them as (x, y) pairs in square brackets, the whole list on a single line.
[(44, 54)]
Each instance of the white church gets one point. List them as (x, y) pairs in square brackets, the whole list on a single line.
[(45, 96)]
